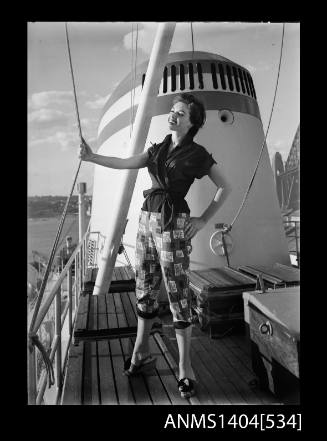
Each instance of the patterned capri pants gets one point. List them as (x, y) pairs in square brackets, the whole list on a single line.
[(163, 254)]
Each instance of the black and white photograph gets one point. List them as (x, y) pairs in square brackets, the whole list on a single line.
[(163, 169)]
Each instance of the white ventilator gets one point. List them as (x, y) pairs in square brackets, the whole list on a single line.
[(233, 133)]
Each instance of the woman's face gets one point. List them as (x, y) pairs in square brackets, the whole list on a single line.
[(179, 118)]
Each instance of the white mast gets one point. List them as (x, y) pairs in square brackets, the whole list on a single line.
[(142, 123)]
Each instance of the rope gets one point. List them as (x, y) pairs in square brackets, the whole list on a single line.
[(32, 334), (264, 141), (72, 74), (34, 339)]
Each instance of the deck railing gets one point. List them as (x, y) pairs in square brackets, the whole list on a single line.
[(77, 264), (292, 229)]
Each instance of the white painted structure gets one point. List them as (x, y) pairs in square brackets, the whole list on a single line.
[(233, 133), (124, 192)]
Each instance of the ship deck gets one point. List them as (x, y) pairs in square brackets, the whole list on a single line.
[(104, 338)]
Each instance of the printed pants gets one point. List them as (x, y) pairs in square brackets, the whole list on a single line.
[(163, 254)]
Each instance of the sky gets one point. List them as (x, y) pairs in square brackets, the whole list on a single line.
[(102, 55)]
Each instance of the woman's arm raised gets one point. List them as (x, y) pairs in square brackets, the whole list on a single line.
[(136, 161)]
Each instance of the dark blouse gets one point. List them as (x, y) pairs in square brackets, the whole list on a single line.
[(172, 175)]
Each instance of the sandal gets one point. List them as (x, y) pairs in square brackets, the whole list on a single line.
[(186, 387), (148, 363)]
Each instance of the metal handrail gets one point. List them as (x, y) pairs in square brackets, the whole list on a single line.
[(296, 236), (44, 309), (36, 388)]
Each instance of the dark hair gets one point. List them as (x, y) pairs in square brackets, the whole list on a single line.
[(197, 111)]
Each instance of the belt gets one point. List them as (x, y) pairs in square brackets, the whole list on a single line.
[(167, 203)]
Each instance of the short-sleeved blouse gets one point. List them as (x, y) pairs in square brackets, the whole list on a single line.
[(172, 175)]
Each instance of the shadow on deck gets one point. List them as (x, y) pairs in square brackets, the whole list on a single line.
[(104, 338)]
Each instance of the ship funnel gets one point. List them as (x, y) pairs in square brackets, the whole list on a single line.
[(233, 133)]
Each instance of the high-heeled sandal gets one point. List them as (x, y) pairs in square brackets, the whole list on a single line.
[(148, 363), (186, 387)]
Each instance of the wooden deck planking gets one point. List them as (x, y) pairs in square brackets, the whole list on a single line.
[(226, 365), (164, 371), (138, 387), (203, 393), (226, 392), (166, 374), (238, 391), (95, 375), (138, 384), (107, 384), (165, 348), (128, 309), (82, 314), (204, 376), (152, 381), (73, 382), (238, 342), (231, 382), (91, 389), (106, 378), (232, 361), (235, 371), (237, 361), (124, 392)]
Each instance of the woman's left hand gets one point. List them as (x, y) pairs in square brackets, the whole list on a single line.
[(193, 226)]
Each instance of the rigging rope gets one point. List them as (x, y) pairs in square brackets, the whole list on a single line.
[(32, 333), (265, 138), (72, 74)]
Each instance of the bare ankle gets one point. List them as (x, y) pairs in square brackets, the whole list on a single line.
[(139, 356), (186, 372)]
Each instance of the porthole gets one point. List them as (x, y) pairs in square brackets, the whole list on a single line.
[(226, 116)]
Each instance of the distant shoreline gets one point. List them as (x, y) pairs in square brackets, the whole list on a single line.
[(50, 216), (47, 207)]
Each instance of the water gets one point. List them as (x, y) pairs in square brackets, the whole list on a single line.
[(42, 233)]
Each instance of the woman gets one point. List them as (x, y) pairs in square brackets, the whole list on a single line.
[(165, 229)]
